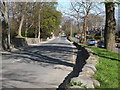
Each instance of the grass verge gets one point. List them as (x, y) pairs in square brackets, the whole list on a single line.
[(108, 68)]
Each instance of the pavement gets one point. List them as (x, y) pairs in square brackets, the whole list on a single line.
[(38, 66)]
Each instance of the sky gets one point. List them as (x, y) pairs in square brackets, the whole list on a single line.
[(65, 6)]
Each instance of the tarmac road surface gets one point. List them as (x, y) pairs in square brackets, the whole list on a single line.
[(38, 66)]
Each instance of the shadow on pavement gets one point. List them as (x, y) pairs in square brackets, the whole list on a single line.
[(35, 53), (82, 56), (61, 43)]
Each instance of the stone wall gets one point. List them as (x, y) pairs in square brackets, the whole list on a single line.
[(18, 42), (85, 68), (32, 41), (85, 79)]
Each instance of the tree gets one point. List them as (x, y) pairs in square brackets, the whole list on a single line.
[(81, 11), (76, 7), (110, 26), (69, 26), (95, 21), (22, 7), (5, 14), (30, 19), (49, 21), (66, 27)]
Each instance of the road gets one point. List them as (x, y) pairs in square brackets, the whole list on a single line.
[(38, 66)]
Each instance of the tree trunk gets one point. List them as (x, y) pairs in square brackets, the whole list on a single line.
[(84, 29), (78, 25), (26, 31), (20, 26), (39, 27), (36, 32), (110, 27), (1, 35), (71, 28), (9, 32), (5, 13)]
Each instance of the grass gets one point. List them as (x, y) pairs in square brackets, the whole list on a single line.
[(73, 83), (108, 68)]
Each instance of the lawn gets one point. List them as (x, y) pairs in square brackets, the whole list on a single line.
[(107, 70)]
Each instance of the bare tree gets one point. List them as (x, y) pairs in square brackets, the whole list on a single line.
[(77, 9), (95, 21), (81, 11)]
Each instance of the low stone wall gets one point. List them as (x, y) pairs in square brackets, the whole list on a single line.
[(80, 62), (83, 70), (85, 78), (18, 42), (32, 41)]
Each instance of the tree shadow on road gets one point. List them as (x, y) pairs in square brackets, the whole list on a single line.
[(28, 55), (34, 54), (49, 47), (82, 56)]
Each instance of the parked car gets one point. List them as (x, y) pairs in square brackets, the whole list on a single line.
[(77, 36), (92, 42), (101, 44)]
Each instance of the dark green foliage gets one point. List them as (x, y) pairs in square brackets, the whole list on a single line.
[(99, 37), (50, 19), (73, 83)]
